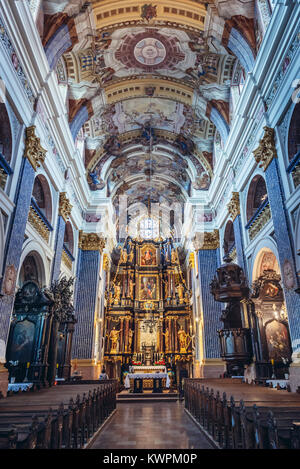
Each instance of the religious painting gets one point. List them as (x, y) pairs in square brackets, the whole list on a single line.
[(9, 280), (148, 288), (288, 276), (22, 342), (148, 256), (278, 341)]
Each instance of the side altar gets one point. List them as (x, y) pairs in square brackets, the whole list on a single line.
[(148, 314)]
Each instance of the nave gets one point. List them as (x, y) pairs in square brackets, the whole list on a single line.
[(151, 425)]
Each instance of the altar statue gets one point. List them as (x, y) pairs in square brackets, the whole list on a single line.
[(173, 257), (117, 293), (183, 337), (123, 256), (131, 288), (114, 337), (167, 335), (180, 291), (130, 337)]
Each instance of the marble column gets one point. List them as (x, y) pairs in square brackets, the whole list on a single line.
[(234, 210), (266, 156), (208, 258), (85, 302), (34, 155), (64, 212)]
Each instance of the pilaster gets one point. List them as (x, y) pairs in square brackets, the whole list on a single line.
[(64, 212), (86, 295), (208, 260), (34, 155)]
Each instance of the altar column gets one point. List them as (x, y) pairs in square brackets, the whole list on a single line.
[(33, 156), (266, 155), (91, 246), (234, 210), (64, 211), (208, 257)]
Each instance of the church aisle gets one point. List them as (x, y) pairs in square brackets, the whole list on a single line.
[(151, 426)]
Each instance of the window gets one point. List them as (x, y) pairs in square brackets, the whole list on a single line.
[(149, 228)]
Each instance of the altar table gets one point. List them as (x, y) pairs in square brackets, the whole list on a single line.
[(146, 376)]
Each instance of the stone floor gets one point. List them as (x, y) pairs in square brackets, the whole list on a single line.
[(159, 425)]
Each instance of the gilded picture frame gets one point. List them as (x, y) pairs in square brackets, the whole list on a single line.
[(148, 287)]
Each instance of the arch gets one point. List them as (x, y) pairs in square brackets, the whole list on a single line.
[(41, 193), (257, 194), (33, 265), (229, 239), (5, 134), (265, 257), (2, 243), (294, 133), (69, 237)]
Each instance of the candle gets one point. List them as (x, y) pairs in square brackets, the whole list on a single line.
[(28, 364)]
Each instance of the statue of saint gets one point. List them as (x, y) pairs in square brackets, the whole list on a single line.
[(117, 293), (131, 287), (173, 257), (166, 334), (130, 337), (182, 336), (123, 256), (180, 291), (114, 337)]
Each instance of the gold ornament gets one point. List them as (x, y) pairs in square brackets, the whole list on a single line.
[(266, 150), (234, 205), (34, 152), (65, 207), (206, 240), (91, 242)]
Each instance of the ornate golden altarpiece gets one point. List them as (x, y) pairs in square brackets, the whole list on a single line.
[(148, 316)]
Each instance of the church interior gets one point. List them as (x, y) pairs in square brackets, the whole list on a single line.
[(150, 224)]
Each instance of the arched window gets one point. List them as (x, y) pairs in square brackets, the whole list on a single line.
[(256, 196), (42, 196), (229, 240), (68, 238), (149, 228), (294, 133), (5, 134)]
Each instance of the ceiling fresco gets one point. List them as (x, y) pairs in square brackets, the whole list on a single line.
[(149, 87)]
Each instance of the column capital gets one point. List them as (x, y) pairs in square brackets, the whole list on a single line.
[(266, 150), (234, 205), (64, 208), (91, 242), (206, 240), (34, 152)]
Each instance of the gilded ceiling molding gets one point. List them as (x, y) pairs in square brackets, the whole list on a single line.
[(65, 207), (206, 240), (266, 150), (34, 152), (234, 205), (187, 13), (91, 242)]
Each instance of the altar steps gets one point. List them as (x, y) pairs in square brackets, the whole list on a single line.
[(126, 396)]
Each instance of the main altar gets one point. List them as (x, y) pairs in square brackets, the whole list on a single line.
[(148, 315)]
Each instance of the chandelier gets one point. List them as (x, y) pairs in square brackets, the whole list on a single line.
[(150, 323)]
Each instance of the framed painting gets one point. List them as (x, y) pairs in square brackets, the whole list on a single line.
[(148, 287), (148, 256)]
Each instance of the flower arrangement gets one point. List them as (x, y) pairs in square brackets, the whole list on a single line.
[(136, 363), (161, 362)]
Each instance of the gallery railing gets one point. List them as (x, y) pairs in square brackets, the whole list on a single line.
[(259, 219), (38, 220), (240, 426), (294, 169)]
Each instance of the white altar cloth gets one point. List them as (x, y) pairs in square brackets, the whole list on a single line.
[(146, 375), (15, 387), (142, 368)]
